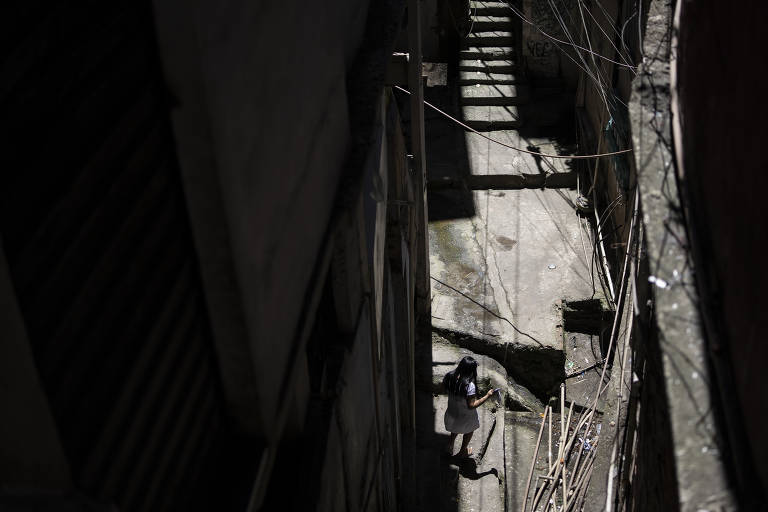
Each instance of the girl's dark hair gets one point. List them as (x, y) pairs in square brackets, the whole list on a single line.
[(456, 382)]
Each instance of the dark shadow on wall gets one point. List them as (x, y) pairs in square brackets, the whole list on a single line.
[(723, 129), (549, 113), (436, 474), (447, 154), (446, 150)]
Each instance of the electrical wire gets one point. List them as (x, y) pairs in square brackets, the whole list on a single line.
[(553, 38), (615, 31), (596, 77), (568, 157)]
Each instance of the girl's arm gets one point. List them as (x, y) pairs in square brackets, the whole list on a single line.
[(474, 403)]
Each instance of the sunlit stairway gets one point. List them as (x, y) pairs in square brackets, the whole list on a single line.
[(490, 86)]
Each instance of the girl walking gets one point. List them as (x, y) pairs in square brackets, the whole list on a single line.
[(461, 415)]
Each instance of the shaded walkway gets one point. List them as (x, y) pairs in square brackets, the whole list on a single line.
[(501, 262)]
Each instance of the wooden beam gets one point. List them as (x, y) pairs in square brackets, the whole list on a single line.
[(506, 181)]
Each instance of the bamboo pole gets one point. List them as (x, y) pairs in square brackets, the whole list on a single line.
[(549, 452), (619, 304), (563, 436), (586, 486), (576, 466), (556, 469), (563, 460), (535, 455), (583, 480)]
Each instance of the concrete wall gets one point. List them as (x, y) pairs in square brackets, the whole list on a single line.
[(188, 280), (720, 136), (544, 58), (111, 390), (603, 122), (360, 404), (263, 130), (289, 151)]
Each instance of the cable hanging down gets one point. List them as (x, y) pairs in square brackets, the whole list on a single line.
[(572, 43), (535, 153)]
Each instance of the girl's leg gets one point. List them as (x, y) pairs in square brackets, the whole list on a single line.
[(449, 447), (465, 450)]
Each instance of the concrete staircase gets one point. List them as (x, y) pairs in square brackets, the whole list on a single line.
[(491, 89), (483, 8)]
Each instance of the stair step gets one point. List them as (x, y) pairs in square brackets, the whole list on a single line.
[(482, 8), (500, 95), (484, 77), (484, 39), (491, 23), (487, 118), (488, 66), (488, 53)]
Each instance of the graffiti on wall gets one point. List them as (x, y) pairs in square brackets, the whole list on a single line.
[(540, 53)]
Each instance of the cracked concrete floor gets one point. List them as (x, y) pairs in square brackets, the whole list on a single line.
[(499, 272), (500, 263)]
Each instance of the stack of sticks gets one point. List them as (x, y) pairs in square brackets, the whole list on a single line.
[(569, 475), (564, 483)]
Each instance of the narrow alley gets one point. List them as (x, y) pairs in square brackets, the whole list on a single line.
[(504, 260), (235, 274)]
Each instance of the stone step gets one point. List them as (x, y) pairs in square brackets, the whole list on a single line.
[(491, 373), (482, 8), (484, 39), (491, 23), (535, 369), (486, 118), (494, 95), (484, 77), (488, 53), (488, 66)]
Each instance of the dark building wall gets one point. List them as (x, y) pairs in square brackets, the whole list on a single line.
[(284, 142), (721, 132), (359, 411), (263, 128), (209, 298), (100, 255), (549, 29)]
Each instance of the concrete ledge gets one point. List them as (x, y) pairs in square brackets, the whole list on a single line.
[(488, 66), (494, 95), (515, 182), (488, 53), (539, 368), (445, 357), (489, 8), (588, 316), (484, 76), (492, 23)]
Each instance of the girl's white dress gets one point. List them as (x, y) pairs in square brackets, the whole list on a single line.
[(460, 419)]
